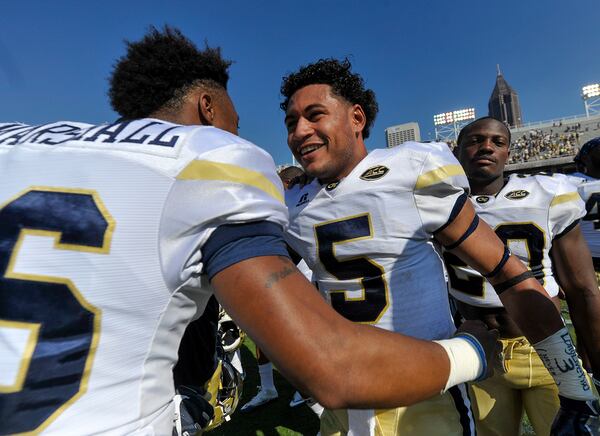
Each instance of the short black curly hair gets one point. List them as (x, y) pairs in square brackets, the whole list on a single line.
[(160, 69), (343, 82)]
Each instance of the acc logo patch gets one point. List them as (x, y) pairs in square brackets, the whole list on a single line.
[(517, 195), (482, 199), (374, 173), (331, 186)]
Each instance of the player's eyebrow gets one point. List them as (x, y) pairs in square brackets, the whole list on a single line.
[(306, 109)]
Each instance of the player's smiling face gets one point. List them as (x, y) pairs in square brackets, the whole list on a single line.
[(484, 150), (323, 132)]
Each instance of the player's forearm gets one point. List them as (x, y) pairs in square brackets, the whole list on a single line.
[(340, 363), (378, 369), (574, 271), (584, 308), (523, 297), (527, 303), (540, 321)]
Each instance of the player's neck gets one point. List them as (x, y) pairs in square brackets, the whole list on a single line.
[(487, 186)]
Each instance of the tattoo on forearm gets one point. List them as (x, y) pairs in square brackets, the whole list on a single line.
[(287, 270)]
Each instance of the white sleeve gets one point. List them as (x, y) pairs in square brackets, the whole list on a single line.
[(440, 185), (230, 184), (566, 207)]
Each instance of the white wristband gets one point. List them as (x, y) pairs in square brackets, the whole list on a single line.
[(560, 358), (467, 361)]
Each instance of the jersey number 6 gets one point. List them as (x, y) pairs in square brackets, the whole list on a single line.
[(61, 327)]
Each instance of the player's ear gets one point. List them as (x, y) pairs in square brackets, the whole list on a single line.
[(206, 108), (358, 118)]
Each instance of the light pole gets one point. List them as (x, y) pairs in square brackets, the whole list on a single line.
[(448, 124), (591, 98)]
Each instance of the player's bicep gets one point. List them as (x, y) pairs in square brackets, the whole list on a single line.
[(572, 260), (284, 314), (233, 243), (472, 239)]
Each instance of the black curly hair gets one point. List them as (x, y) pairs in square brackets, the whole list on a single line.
[(343, 82), (159, 70)]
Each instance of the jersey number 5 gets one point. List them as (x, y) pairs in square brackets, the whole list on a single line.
[(60, 327), (374, 301)]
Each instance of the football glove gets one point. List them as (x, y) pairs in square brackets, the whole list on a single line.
[(576, 417)]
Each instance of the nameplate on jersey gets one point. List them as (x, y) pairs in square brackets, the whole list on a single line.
[(482, 199), (517, 195), (375, 173), (147, 136)]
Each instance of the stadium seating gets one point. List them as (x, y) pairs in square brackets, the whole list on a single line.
[(552, 139)]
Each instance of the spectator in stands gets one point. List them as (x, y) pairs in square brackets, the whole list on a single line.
[(537, 145)]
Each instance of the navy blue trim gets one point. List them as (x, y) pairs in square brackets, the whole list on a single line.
[(500, 265), (475, 343), (233, 243), (465, 413), (465, 235), (460, 202), (567, 230), (501, 287)]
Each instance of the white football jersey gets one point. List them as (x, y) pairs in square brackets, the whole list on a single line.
[(101, 267), (528, 213), (368, 238), (589, 189)]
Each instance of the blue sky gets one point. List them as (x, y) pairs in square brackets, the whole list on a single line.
[(421, 57)]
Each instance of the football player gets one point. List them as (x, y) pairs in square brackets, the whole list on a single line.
[(588, 161), (365, 227), (113, 237), (537, 216)]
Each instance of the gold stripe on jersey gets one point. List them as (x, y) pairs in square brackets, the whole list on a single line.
[(205, 170), (563, 198), (435, 176)]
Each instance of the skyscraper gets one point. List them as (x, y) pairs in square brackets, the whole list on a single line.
[(396, 135), (504, 103)]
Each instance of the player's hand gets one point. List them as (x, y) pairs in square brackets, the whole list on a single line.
[(489, 342), (193, 411), (576, 417)]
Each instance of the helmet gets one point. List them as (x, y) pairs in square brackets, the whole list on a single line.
[(230, 335), (225, 387)]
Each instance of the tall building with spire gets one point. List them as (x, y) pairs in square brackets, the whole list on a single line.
[(504, 102)]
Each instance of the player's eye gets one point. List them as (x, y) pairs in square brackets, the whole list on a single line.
[(314, 116)]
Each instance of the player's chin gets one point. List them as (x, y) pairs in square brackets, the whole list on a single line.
[(483, 172), (313, 169)]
